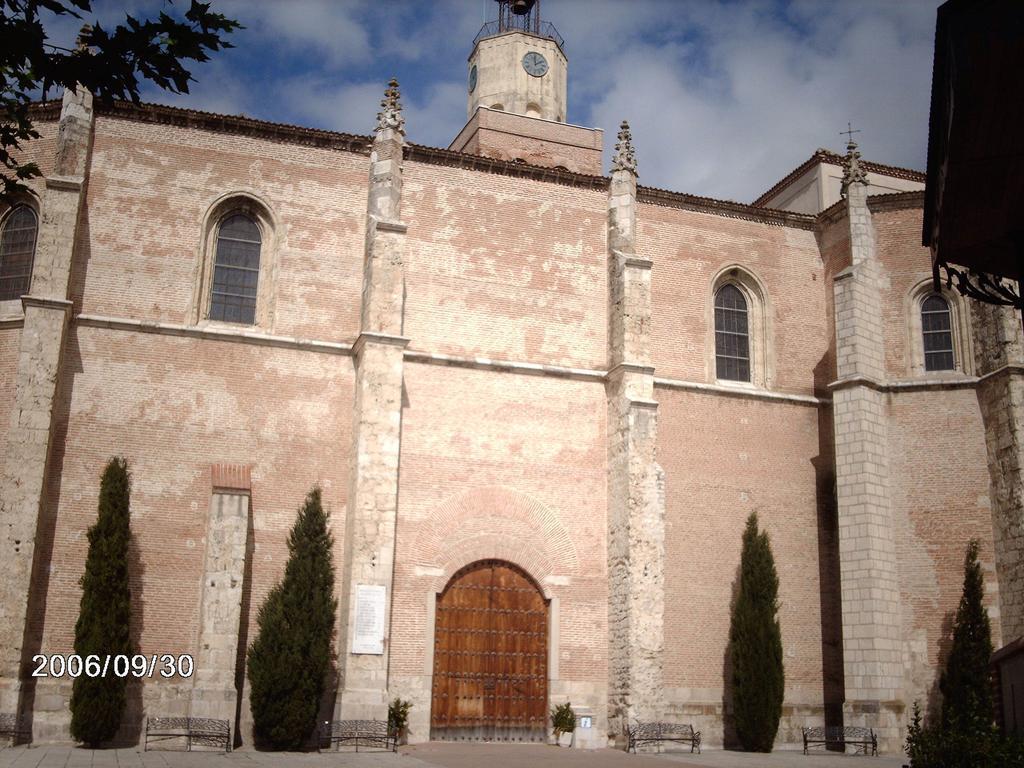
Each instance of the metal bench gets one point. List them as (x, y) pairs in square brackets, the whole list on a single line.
[(202, 731), (862, 739), (15, 727), (658, 732), (365, 732)]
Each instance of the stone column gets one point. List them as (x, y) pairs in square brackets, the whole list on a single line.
[(636, 503), (999, 359), (216, 680), (377, 428), (30, 431), (872, 647)]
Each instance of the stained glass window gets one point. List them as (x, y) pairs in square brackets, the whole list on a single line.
[(732, 335), (236, 270), (937, 328), (17, 251)]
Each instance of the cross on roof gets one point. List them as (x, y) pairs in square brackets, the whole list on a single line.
[(849, 132)]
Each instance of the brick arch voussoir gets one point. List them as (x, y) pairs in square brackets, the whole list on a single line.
[(524, 531), (527, 557)]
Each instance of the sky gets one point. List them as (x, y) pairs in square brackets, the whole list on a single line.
[(724, 98)]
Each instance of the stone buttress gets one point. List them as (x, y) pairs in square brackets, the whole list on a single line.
[(636, 504), (219, 659), (999, 359), (377, 426), (30, 432), (872, 647)]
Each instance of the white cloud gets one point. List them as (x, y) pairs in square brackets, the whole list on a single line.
[(353, 107), (724, 98), (331, 30)]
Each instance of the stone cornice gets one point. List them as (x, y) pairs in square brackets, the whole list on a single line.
[(293, 134), (69, 183), (927, 383), (228, 334), (725, 208), (453, 159), (844, 274), (642, 404), (383, 225), (505, 366), (213, 333), (1011, 369), (640, 262), (896, 201), (235, 125), (45, 303), (45, 110), (594, 375), (626, 367), (833, 158), (832, 214), (384, 339), (11, 321), (749, 393), (856, 381)]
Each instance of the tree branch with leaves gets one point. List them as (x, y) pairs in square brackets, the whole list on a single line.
[(112, 64)]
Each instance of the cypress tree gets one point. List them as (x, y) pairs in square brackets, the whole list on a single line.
[(966, 695), (103, 626), (756, 644), (291, 656)]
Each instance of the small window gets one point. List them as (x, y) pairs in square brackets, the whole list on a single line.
[(732, 335), (236, 270), (937, 330), (17, 252)]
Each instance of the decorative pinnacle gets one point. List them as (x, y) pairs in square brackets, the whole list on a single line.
[(390, 115), (83, 33), (852, 172), (624, 158)]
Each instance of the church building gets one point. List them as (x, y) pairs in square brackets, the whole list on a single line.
[(540, 398)]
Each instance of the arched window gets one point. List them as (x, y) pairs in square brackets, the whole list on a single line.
[(17, 252), (937, 333), (732, 334), (236, 270)]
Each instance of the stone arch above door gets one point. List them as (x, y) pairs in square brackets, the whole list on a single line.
[(496, 522)]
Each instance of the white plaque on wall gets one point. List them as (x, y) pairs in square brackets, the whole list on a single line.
[(368, 634)]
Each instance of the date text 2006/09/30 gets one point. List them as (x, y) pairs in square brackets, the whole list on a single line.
[(73, 665)]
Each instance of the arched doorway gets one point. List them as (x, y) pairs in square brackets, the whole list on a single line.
[(490, 656)]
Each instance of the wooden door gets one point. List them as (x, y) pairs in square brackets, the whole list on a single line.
[(490, 657)]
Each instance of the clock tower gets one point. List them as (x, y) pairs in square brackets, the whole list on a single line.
[(518, 65), (516, 108)]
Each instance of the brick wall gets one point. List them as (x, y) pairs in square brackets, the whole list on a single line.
[(503, 267), (507, 466), (173, 406), (689, 249), (150, 189), (940, 501), (725, 458)]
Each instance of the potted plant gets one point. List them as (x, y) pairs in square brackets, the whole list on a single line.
[(398, 718), (563, 720)]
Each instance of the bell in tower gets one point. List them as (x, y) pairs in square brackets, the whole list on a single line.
[(516, 80), (518, 64)]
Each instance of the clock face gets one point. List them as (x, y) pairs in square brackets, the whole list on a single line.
[(472, 79), (535, 64)]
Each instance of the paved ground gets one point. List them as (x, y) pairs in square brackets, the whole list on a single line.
[(433, 755)]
